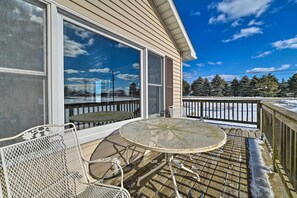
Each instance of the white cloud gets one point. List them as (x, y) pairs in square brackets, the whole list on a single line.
[(128, 76), (199, 64), (236, 23), (91, 42), (262, 54), (73, 48), (267, 69), (254, 22), (219, 19), (120, 45), (104, 70), (195, 13), (215, 63), (135, 65), (244, 33), (71, 71), (229, 10), (296, 65), (286, 44), (186, 65), (226, 77)]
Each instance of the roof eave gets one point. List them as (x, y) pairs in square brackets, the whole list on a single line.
[(192, 55)]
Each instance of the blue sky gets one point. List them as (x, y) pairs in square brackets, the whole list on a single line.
[(233, 38)]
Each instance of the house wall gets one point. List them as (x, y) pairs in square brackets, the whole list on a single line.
[(137, 20)]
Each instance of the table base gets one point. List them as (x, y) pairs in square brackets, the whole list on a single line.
[(169, 159)]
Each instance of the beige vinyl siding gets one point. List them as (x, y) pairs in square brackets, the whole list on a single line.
[(137, 20)]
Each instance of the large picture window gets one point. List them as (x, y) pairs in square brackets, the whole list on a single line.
[(101, 78), (23, 66)]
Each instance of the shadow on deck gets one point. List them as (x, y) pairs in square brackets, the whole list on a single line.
[(223, 172)]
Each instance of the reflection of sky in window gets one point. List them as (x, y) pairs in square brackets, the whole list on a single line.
[(89, 57)]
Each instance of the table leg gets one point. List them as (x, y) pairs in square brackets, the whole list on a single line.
[(173, 176), (151, 172), (180, 165)]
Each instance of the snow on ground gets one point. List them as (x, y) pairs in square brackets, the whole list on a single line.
[(260, 186), (288, 104)]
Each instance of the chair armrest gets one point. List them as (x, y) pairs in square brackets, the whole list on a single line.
[(113, 161)]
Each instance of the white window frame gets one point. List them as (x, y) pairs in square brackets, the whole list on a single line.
[(56, 69), (86, 135), (163, 75)]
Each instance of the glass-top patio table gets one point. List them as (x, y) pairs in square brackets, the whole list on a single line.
[(173, 136)]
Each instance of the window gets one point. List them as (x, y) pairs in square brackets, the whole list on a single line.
[(23, 66), (155, 85), (101, 78)]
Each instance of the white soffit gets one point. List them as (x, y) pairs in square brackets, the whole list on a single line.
[(170, 16)]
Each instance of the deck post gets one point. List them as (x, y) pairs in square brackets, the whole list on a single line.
[(258, 114), (201, 109), (273, 141)]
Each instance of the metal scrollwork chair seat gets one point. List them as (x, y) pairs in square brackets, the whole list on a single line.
[(49, 163)]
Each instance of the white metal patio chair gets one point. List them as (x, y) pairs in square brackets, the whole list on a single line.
[(177, 112), (49, 163)]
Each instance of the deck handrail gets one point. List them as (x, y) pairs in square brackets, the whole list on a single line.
[(240, 110), (279, 126)]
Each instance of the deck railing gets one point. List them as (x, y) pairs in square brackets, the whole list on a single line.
[(228, 110), (280, 128)]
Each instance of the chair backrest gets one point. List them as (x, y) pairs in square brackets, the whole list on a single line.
[(46, 164), (177, 112)]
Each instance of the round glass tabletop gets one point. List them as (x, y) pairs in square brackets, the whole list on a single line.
[(172, 135), (104, 116)]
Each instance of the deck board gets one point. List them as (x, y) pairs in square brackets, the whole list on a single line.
[(223, 172)]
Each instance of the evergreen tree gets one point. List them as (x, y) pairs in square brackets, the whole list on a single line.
[(292, 82), (253, 85), (235, 87), (197, 87), (283, 89), (186, 88), (206, 88), (217, 86), (245, 89), (227, 89), (268, 86)]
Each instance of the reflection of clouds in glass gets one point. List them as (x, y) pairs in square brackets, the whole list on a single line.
[(36, 19), (71, 71), (73, 48), (128, 76), (120, 45), (81, 32), (23, 34), (16, 11), (104, 70), (136, 65)]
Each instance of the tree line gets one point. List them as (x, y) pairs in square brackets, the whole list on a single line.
[(265, 86)]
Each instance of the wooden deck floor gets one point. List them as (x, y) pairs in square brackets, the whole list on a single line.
[(223, 172)]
